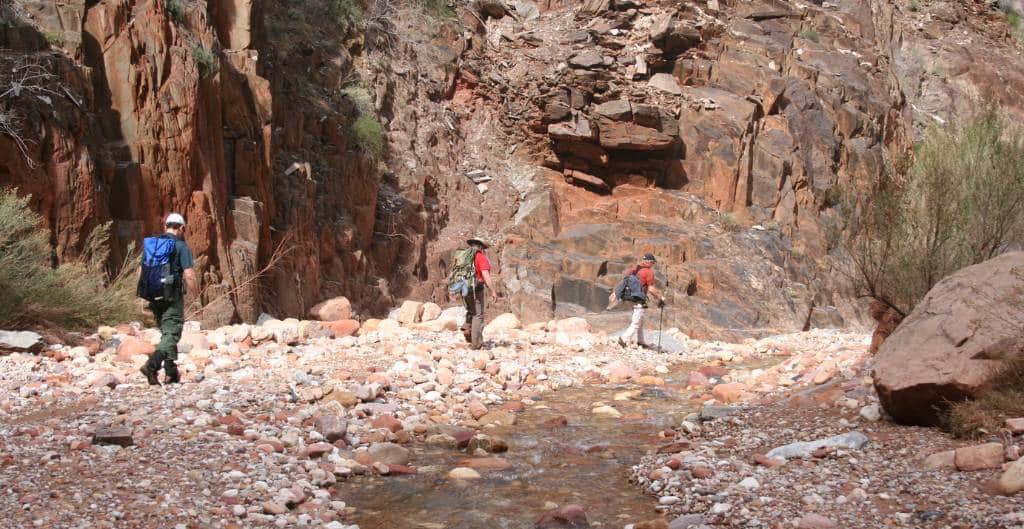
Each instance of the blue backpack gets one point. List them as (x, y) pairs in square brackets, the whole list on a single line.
[(160, 280), (630, 289)]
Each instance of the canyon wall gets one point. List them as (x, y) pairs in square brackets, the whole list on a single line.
[(718, 134)]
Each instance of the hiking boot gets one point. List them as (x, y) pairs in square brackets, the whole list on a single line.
[(150, 375), (173, 375)]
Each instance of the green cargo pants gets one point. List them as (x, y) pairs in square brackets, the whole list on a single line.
[(170, 316), (475, 316)]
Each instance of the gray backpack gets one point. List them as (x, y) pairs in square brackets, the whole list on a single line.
[(630, 289)]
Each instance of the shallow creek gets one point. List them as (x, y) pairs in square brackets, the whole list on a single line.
[(585, 462)]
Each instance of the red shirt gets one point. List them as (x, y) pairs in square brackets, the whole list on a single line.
[(646, 277), (481, 263)]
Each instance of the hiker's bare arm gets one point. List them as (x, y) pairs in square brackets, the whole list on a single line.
[(655, 293), (486, 274), (190, 281)]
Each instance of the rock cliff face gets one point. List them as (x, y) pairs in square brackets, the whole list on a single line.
[(233, 114), (138, 113), (749, 116), (714, 133)]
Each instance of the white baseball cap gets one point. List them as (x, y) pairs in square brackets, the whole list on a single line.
[(174, 218)]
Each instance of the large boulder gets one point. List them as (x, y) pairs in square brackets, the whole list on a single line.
[(950, 347), (342, 328), (501, 325), (333, 309), (431, 311), (131, 347), (566, 516), (410, 312), (20, 342)]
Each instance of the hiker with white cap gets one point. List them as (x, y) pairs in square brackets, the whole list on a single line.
[(165, 273), (469, 274)]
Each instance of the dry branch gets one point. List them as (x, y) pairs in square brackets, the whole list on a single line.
[(285, 247)]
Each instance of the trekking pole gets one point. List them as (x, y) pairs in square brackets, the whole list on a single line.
[(661, 320), (661, 317)]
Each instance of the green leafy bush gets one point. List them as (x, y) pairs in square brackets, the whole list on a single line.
[(730, 223), (1016, 25), (346, 12), (54, 38), (438, 8), (369, 135), (77, 295), (205, 60), (175, 8), (961, 203), (360, 97), (810, 35)]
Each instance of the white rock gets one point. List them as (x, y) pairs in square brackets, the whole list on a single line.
[(871, 412), (804, 449), (720, 508), (463, 473), (607, 411), (666, 83), (20, 341)]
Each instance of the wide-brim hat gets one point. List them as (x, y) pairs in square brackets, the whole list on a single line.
[(479, 240)]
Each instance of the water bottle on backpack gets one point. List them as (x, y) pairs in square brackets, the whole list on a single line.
[(159, 280)]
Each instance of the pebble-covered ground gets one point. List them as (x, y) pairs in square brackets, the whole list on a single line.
[(275, 425), (723, 476)]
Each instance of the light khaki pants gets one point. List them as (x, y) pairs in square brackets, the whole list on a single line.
[(635, 332)]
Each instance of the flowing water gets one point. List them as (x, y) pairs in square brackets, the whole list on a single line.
[(586, 462)]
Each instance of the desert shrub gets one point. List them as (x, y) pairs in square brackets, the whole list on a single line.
[(730, 223), (205, 60), (810, 35), (987, 413), (77, 295), (175, 8), (360, 97), (54, 38), (1013, 18), (438, 8), (914, 5), (369, 135), (960, 203), (346, 12), (1016, 25)]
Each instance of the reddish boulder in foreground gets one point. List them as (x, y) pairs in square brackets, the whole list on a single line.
[(563, 517), (342, 328), (950, 346), (333, 309), (131, 346)]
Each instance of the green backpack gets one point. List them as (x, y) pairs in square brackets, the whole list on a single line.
[(462, 271)]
